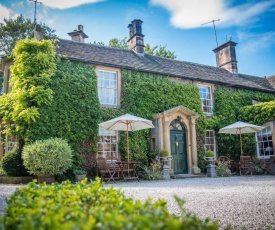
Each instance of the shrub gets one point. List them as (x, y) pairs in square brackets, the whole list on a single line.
[(12, 164), (209, 153), (79, 172), (163, 153), (222, 169), (152, 172), (2, 172), (52, 156), (90, 206)]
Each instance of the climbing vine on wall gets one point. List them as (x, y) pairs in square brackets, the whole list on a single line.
[(34, 65), (228, 108), (74, 112), (145, 95)]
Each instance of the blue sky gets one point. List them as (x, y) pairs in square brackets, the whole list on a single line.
[(175, 23)]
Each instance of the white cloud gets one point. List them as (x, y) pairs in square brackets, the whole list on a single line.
[(6, 13), (192, 13), (254, 42), (65, 4)]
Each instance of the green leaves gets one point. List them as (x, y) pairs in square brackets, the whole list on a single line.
[(91, 206)]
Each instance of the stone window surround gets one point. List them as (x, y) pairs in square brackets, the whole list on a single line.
[(270, 124), (118, 71)]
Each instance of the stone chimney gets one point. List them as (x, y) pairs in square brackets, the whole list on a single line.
[(78, 35), (226, 56), (135, 41), (37, 32)]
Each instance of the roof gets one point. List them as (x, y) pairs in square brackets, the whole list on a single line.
[(127, 59)]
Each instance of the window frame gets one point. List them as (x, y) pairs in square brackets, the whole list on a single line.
[(214, 142), (210, 99), (107, 133), (117, 89), (268, 141)]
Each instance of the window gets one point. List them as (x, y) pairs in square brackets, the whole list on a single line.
[(206, 99), (107, 144), (107, 87), (265, 145), (210, 143)]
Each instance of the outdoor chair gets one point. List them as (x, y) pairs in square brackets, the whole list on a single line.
[(106, 171), (245, 166)]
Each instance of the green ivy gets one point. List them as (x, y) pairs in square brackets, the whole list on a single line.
[(229, 107), (145, 95), (74, 112)]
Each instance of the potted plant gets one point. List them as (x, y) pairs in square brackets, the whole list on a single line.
[(79, 174), (47, 158), (165, 158), (209, 156)]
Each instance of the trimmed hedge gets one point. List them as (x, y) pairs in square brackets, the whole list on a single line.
[(90, 206)]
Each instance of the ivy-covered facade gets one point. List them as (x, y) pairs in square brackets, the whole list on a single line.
[(187, 102)]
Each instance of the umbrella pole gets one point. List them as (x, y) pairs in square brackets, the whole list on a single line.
[(241, 142), (128, 154)]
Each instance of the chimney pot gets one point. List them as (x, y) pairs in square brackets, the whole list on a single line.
[(226, 56), (135, 41), (78, 35)]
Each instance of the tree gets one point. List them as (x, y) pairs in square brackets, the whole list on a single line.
[(16, 29), (160, 51)]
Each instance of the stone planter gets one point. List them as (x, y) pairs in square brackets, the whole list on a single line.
[(166, 168), (15, 179), (45, 178), (79, 177), (211, 168)]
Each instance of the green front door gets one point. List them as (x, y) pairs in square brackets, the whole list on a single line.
[(178, 147)]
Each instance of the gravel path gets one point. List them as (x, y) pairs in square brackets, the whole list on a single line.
[(239, 201)]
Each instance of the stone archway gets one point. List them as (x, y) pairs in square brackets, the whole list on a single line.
[(161, 133)]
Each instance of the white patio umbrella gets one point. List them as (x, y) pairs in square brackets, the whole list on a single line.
[(240, 128), (127, 123)]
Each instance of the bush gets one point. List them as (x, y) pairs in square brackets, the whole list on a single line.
[(2, 172), (209, 153), (164, 153), (52, 156), (152, 172), (222, 169), (90, 206), (12, 164)]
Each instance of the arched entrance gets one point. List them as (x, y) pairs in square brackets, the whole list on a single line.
[(178, 147)]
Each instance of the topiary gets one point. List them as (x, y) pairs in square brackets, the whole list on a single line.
[(209, 153), (12, 164), (52, 156), (164, 153)]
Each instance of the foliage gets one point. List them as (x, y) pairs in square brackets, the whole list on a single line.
[(79, 172), (12, 163), (34, 65), (118, 43), (155, 94), (152, 172), (52, 156), (228, 109), (258, 165), (1, 81), (163, 153), (20, 28), (209, 153), (160, 51), (74, 112), (259, 113), (222, 169), (2, 171), (91, 206)]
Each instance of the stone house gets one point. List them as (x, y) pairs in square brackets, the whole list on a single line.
[(175, 129)]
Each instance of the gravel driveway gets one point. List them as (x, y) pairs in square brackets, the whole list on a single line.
[(239, 201)]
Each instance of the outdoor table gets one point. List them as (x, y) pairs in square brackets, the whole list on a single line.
[(128, 170), (234, 166)]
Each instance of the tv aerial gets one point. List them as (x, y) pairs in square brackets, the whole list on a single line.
[(213, 21), (35, 3)]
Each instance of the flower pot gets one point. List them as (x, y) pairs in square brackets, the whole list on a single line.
[(79, 177), (45, 178)]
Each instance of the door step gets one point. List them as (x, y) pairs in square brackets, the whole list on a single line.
[(182, 176)]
